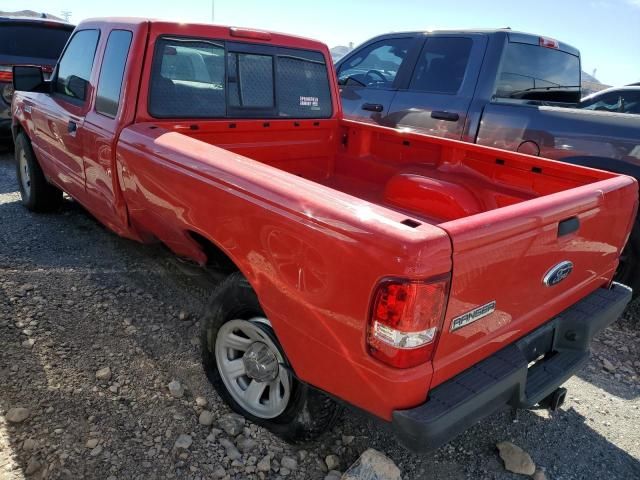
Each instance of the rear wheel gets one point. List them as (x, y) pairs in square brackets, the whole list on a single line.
[(629, 270), (36, 193), (248, 367)]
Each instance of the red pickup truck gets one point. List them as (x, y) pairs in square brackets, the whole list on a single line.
[(424, 280)]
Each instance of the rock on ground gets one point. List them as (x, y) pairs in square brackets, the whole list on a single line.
[(372, 465), (176, 389), (515, 459), (17, 415), (183, 442), (206, 418), (104, 374), (232, 424)]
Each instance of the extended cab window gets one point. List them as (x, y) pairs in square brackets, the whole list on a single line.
[(74, 69), (198, 79), (533, 72), (110, 81), (442, 65), (377, 65)]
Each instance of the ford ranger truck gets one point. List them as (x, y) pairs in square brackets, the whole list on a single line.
[(499, 88), (424, 280)]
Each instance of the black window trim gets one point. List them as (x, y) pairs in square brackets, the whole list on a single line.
[(54, 78), (95, 106), (240, 47)]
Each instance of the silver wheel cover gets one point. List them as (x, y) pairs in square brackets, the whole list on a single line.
[(260, 384)]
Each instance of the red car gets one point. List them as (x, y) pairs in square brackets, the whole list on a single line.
[(425, 280)]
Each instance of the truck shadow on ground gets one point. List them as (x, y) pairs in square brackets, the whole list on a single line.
[(120, 284)]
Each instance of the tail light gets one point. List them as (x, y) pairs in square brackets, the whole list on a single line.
[(6, 76), (406, 320), (6, 73)]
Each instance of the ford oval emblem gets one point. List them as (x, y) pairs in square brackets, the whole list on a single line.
[(557, 273)]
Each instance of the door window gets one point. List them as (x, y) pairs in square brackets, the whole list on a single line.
[(610, 102), (112, 71), (377, 65), (74, 69), (631, 102), (442, 65)]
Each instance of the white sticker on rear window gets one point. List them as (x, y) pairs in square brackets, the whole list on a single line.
[(309, 101)]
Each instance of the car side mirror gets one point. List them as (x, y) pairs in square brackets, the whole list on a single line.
[(29, 79), (77, 87)]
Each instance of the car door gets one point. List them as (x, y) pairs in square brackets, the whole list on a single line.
[(100, 128), (63, 111), (439, 93), (368, 76)]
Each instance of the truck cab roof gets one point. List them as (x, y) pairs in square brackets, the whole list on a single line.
[(514, 36), (223, 32)]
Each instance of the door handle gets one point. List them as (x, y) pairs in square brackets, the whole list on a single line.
[(72, 127), (372, 107), (447, 116)]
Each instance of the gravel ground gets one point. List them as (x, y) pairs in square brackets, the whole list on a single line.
[(75, 299)]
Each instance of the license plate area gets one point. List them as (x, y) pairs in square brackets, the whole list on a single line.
[(539, 346)]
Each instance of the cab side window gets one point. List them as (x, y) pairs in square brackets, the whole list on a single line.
[(112, 71), (442, 65), (74, 68), (377, 65)]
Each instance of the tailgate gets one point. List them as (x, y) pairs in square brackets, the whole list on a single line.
[(501, 258)]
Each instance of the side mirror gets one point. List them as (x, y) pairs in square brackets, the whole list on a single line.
[(29, 79), (77, 87)]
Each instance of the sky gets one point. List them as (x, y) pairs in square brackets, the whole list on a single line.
[(607, 32)]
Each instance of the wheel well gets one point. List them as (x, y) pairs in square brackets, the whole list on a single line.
[(216, 257)]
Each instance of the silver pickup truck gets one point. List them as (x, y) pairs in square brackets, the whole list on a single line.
[(500, 88)]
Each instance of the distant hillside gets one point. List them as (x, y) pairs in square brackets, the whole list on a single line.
[(29, 13), (340, 51)]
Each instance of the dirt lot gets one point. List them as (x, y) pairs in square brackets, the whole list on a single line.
[(75, 299)]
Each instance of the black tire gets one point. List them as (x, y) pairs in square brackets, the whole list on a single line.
[(37, 195), (629, 270), (308, 413)]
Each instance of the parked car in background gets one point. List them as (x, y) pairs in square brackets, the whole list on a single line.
[(26, 41), (616, 99), (499, 88), (424, 280)]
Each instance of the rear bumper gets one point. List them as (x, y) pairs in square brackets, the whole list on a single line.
[(505, 379)]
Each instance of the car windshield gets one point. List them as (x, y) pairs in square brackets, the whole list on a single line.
[(532, 72), (37, 41)]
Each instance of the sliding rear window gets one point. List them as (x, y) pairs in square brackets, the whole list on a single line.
[(196, 78)]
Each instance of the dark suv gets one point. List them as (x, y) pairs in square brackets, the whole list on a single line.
[(26, 41)]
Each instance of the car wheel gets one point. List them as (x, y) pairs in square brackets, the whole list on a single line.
[(36, 193), (248, 367)]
